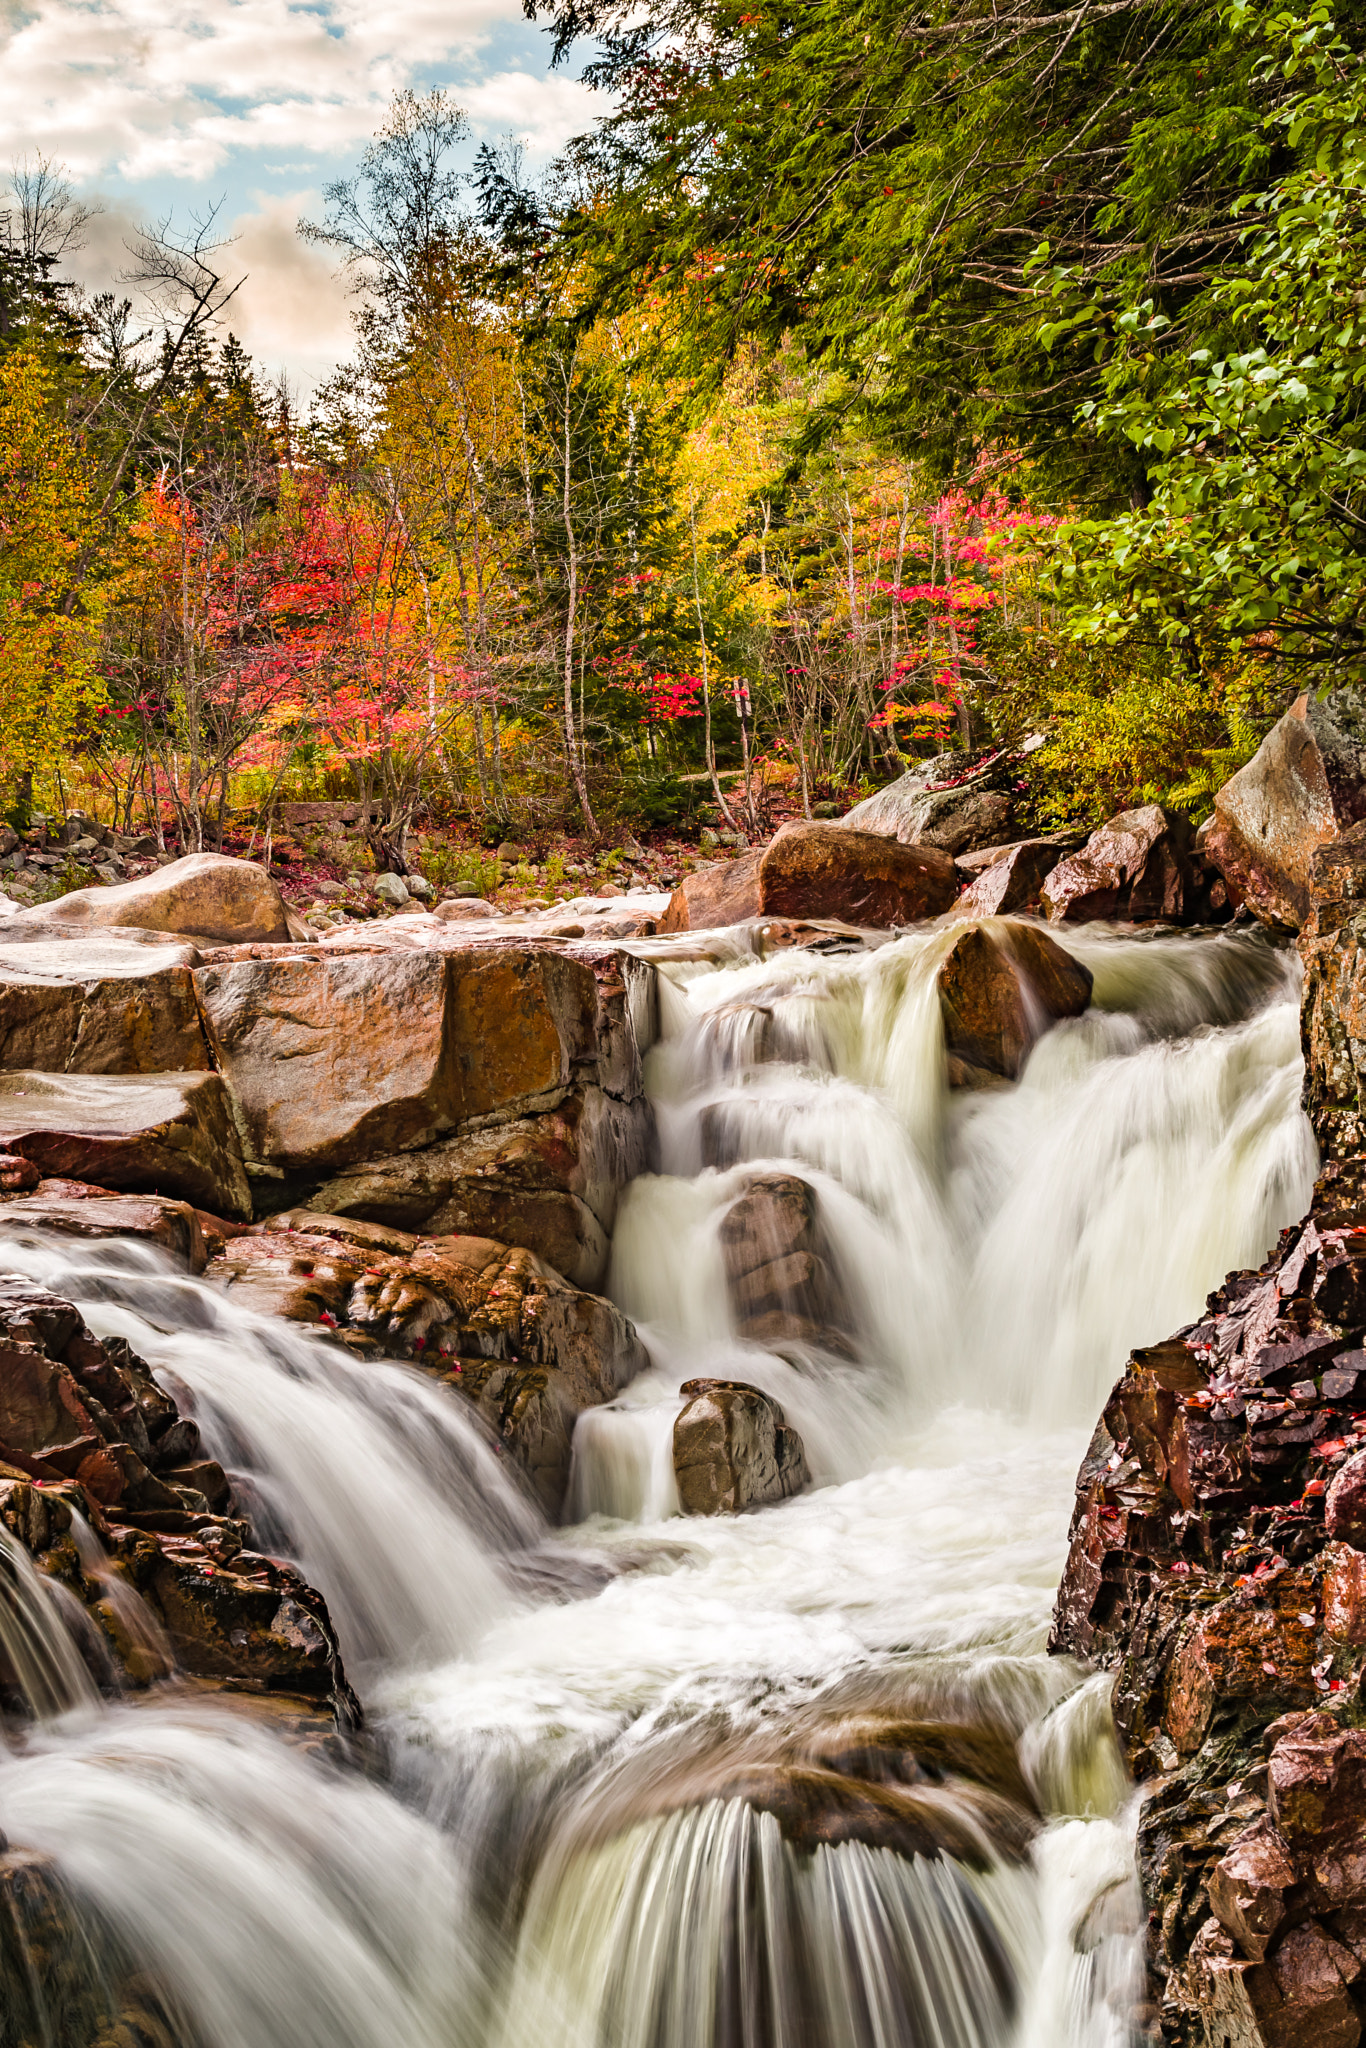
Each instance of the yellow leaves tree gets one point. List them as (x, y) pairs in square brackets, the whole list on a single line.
[(50, 601)]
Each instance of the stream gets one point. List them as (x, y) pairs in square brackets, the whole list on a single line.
[(584, 1741)]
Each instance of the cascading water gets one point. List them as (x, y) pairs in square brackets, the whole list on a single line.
[(599, 1823)]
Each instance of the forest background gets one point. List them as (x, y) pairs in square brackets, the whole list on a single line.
[(871, 382)]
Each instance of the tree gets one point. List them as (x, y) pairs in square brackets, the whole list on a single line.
[(1254, 532), (875, 184)]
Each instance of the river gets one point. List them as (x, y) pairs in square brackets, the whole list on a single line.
[(569, 1835)]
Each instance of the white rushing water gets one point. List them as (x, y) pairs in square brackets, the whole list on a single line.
[(577, 1848)]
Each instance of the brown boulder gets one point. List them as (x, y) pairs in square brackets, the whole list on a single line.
[(818, 871), (1244, 1648), (1136, 866), (548, 1182), (1316, 1796), (335, 1058), (205, 895), (999, 991), (734, 1449), (1305, 785), (166, 1134), (1332, 948), (859, 877)]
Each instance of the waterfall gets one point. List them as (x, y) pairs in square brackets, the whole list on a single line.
[(801, 1772), (35, 1640)]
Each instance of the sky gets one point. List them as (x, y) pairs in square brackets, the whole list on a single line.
[(171, 107)]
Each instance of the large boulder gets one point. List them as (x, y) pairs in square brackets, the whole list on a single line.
[(819, 871), (951, 802), (168, 1134), (338, 1058), (1136, 866), (1305, 786), (780, 1274), (1000, 988), (733, 1448), (491, 1321), (99, 1005), (549, 1182), (204, 895)]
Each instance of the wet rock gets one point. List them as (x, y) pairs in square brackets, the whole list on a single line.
[(1306, 785), (492, 1321), (77, 1210), (1248, 1888), (83, 1424), (818, 871), (66, 1979), (1137, 867), (549, 1182), (733, 1448), (1013, 881), (169, 1134), (204, 895), (780, 1272), (1000, 989), (1332, 948)]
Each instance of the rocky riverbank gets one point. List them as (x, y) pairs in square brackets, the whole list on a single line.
[(1218, 1566)]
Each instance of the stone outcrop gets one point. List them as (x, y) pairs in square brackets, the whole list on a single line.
[(549, 1182), (818, 871), (1000, 988), (65, 1976), (83, 1425), (436, 1078), (780, 1275), (1215, 1566), (168, 1134), (204, 895), (733, 1448), (492, 1321), (1304, 787), (1137, 867)]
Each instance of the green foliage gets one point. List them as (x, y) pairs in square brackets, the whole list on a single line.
[(1255, 527), (876, 183)]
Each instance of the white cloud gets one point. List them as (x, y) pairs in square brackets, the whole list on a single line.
[(146, 89)]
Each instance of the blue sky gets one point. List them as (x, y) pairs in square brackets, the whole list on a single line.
[(160, 106)]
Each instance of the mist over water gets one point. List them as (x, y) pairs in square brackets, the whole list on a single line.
[(577, 1841)]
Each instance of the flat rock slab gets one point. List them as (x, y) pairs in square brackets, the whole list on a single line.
[(208, 895), (168, 1134), (97, 1006), (78, 1211)]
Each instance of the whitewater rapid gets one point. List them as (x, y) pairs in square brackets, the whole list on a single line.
[(556, 1854)]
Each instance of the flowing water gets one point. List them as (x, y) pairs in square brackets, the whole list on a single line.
[(593, 1826)]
